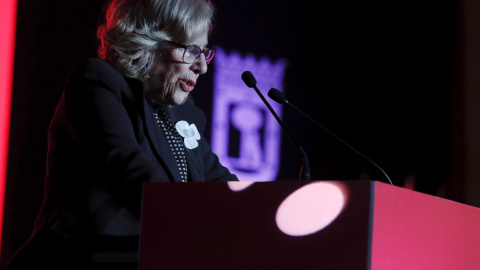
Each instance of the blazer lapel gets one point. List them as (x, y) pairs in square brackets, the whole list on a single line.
[(193, 156), (158, 142)]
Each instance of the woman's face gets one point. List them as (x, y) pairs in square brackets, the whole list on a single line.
[(174, 79)]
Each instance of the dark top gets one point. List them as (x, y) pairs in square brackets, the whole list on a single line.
[(103, 143)]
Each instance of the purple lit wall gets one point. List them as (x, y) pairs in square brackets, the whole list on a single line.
[(245, 136)]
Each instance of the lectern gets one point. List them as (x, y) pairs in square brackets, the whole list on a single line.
[(304, 225)]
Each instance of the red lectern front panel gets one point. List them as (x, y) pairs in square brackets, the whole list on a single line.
[(226, 226)]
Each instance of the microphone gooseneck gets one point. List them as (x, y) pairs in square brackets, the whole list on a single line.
[(279, 97), (251, 82)]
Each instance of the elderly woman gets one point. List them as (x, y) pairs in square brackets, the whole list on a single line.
[(124, 119)]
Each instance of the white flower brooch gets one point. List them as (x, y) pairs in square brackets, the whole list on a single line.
[(189, 133)]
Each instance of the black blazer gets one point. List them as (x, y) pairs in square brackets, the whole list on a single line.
[(103, 144)]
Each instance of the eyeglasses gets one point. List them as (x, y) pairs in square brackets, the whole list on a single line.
[(193, 52)]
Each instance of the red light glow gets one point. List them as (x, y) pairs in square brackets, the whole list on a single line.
[(8, 12)]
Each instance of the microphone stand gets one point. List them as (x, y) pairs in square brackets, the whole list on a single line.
[(278, 97), (305, 170)]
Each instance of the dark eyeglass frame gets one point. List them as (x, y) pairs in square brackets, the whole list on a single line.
[(204, 51)]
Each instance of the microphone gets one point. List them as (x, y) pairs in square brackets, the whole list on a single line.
[(251, 82), (279, 97)]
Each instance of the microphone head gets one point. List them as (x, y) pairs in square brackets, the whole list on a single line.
[(248, 79), (277, 96)]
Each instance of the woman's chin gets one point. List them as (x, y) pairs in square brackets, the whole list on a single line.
[(180, 98)]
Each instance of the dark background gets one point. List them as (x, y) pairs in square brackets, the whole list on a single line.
[(381, 75)]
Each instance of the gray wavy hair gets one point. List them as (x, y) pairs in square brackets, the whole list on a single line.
[(134, 30)]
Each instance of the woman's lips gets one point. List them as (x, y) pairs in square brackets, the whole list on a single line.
[(187, 84)]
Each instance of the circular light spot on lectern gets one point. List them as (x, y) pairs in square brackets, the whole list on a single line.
[(310, 209), (238, 186)]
